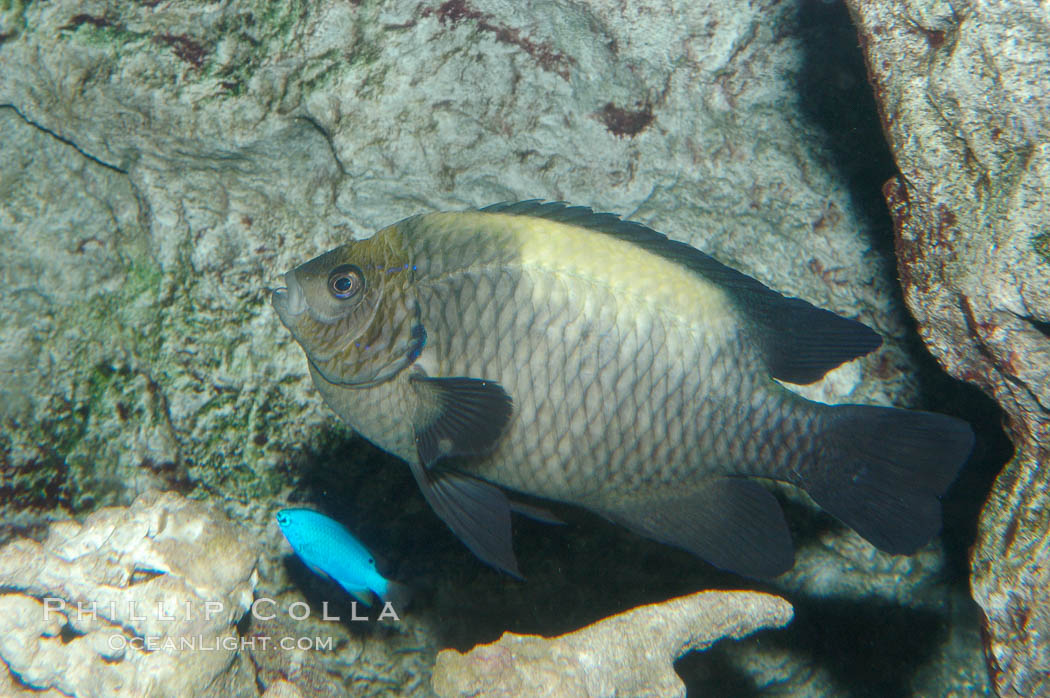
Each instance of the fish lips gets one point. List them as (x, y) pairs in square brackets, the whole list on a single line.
[(289, 301)]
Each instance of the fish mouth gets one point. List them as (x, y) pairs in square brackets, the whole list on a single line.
[(289, 301)]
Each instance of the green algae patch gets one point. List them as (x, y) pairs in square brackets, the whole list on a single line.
[(102, 32)]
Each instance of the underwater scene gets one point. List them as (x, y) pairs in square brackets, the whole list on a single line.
[(564, 348)]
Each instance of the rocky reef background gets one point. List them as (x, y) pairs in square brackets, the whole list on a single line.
[(964, 96), (161, 163)]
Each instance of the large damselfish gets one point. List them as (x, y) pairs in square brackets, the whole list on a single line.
[(567, 354)]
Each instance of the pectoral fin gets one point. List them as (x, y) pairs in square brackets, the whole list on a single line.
[(477, 512), (733, 523), (458, 416)]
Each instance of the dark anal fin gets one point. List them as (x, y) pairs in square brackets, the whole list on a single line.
[(882, 470), (733, 523), (477, 512), (458, 416)]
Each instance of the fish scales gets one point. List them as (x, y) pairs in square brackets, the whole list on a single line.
[(561, 445), (576, 357)]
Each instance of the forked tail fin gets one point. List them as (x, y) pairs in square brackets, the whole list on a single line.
[(882, 470)]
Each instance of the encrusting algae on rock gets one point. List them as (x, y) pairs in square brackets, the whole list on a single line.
[(574, 356)]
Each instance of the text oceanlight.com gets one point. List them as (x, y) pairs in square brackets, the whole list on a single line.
[(152, 643)]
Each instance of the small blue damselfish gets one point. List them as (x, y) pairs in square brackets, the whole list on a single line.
[(328, 549)]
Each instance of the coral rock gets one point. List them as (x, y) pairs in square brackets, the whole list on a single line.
[(109, 607), (630, 654), (282, 689), (964, 92)]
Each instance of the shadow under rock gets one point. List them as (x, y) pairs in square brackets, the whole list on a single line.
[(713, 673), (962, 503), (870, 649)]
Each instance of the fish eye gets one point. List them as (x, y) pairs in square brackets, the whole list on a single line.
[(371, 561), (345, 281)]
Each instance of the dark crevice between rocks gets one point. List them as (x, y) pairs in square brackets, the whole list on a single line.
[(316, 125), (62, 139), (142, 575), (69, 633), (962, 503), (1041, 326), (837, 99), (713, 673), (244, 631)]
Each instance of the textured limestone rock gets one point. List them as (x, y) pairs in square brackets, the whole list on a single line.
[(279, 669), (282, 689), (76, 292), (107, 608), (964, 90), (630, 654)]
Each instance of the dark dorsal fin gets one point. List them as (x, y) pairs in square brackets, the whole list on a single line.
[(800, 341)]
